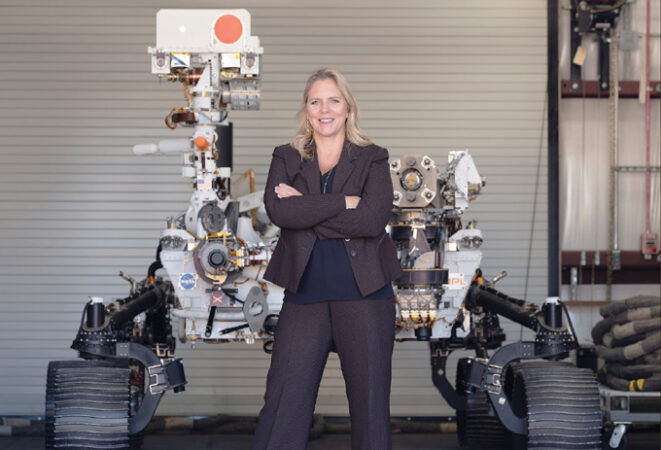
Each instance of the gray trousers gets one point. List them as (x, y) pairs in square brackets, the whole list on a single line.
[(362, 332)]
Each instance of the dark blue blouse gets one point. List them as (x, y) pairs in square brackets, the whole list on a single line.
[(328, 274)]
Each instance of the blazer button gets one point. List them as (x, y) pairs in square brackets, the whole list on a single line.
[(353, 253), (347, 239)]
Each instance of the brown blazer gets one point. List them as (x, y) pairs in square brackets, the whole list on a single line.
[(362, 171)]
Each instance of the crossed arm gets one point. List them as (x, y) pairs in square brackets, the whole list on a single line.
[(329, 214), (371, 216), (296, 211)]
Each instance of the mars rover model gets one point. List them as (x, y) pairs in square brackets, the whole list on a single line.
[(205, 284)]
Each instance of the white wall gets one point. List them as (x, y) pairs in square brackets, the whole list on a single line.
[(584, 161), (585, 140)]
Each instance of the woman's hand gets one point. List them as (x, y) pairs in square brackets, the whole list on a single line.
[(284, 190), (351, 201)]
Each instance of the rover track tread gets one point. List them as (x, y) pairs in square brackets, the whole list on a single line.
[(87, 405), (561, 404), (477, 426)]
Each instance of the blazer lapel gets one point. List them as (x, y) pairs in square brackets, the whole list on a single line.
[(310, 170), (344, 167)]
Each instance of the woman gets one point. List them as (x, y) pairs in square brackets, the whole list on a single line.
[(330, 193)]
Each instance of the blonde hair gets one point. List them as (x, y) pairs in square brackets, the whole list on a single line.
[(302, 141)]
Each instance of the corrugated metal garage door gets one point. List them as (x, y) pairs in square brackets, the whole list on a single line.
[(76, 206)]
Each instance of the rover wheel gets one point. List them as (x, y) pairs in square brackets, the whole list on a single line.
[(477, 425), (560, 405), (87, 405)]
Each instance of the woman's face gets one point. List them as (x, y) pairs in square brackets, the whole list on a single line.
[(327, 110)]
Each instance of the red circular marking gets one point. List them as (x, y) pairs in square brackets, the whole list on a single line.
[(201, 143), (228, 29)]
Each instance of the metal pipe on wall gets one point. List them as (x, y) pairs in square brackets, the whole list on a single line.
[(613, 103), (647, 120), (553, 91)]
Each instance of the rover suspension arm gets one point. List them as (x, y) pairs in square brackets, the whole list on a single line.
[(552, 341)]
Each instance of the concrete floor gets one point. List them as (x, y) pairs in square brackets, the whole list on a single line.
[(190, 441), (242, 442)]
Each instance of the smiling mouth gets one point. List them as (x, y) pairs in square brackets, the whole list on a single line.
[(325, 120)]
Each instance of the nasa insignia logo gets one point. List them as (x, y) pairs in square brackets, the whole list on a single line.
[(187, 281)]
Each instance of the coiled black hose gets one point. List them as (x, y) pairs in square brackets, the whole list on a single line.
[(628, 339)]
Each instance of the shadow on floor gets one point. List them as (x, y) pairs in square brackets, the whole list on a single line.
[(242, 442), (191, 441)]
